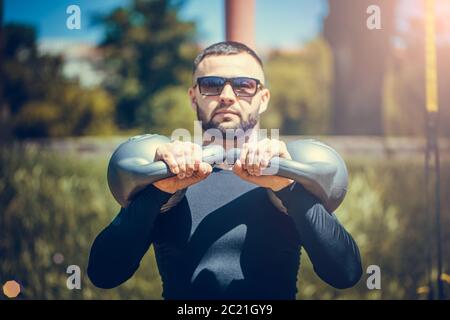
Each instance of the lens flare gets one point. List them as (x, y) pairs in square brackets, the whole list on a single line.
[(11, 289)]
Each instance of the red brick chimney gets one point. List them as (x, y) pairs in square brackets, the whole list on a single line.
[(240, 21)]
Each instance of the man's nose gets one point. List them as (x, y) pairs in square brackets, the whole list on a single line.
[(227, 96)]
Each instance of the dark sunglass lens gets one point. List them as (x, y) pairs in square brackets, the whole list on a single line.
[(245, 86), (211, 85)]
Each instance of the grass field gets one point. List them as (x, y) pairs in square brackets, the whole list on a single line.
[(57, 202)]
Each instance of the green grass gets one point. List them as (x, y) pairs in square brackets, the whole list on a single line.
[(52, 203)]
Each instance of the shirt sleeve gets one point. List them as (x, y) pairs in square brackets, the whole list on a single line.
[(117, 251), (332, 250)]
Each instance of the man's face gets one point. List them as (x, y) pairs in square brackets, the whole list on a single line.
[(226, 110)]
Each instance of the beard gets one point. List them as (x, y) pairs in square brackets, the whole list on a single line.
[(243, 124)]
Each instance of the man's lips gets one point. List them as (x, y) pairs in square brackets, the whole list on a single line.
[(226, 112)]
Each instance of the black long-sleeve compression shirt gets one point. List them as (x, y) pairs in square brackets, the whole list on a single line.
[(226, 240)]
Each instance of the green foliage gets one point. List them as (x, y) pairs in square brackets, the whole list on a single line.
[(166, 111), (57, 204), (49, 205), (300, 90), (147, 49), (385, 212), (404, 94), (74, 111), (39, 101), (148, 53)]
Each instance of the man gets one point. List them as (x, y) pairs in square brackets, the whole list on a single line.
[(225, 239)]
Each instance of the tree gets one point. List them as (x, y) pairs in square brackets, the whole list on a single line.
[(300, 84), (147, 48), (37, 100), (4, 117), (405, 98)]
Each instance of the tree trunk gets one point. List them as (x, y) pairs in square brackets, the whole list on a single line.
[(360, 58)]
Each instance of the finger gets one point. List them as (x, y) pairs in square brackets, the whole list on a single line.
[(265, 158), (197, 176), (238, 165), (205, 169), (243, 156), (250, 161), (239, 170), (171, 162), (196, 156), (244, 175), (283, 151), (259, 150), (181, 161), (257, 162), (263, 146), (269, 152), (188, 159)]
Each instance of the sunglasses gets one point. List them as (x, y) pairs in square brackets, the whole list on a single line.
[(242, 86)]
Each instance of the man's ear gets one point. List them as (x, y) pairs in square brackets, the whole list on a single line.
[(265, 98), (192, 98)]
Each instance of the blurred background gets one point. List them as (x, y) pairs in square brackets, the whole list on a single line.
[(68, 97)]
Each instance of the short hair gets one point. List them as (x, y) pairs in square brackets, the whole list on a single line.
[(225, 48)]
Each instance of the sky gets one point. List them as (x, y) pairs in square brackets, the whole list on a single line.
[(275, 24), (416, 9), (286, 26)]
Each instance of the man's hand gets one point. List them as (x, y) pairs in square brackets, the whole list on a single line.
[(255, 157), (185, 160)]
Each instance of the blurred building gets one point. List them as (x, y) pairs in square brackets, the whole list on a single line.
[(360, 60)]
